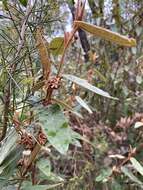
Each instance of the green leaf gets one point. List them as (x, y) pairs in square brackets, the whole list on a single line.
[(137, 165), (44, 166), (55, 126), (131, 175), (23, 2), (85, 84), (105, 173), (9, 187), (102, 77), (56, 46), (9, 155), (9, 144), (106, 34), (8, 167), (4, 2), (115, 185), (13, 155), (3, 77), (65, 105), (138, 124), (27, 81), (29, 186), (83, 104)]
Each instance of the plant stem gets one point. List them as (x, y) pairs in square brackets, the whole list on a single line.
[(75, 28)]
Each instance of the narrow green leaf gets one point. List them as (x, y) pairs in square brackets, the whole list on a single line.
[(106, 34), (9, 143), (85, 84), (131, 175), (137, 165), (65, 105), (10, 153), (76, 135), (102, 77), (8, 166), (83, 104)]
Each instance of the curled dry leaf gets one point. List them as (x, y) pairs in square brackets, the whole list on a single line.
[(43, 52), (106, 34)]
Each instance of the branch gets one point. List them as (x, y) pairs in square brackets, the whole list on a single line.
[(23, 29), (82, 35)]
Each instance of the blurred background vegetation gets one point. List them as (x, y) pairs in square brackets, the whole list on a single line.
[(115, 126)]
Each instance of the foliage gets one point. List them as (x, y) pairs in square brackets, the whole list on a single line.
[(58, 128)]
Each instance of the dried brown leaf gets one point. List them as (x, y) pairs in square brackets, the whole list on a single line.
[(43, 52), (106, 34)]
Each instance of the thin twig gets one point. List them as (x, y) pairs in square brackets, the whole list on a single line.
[(24, 25)]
